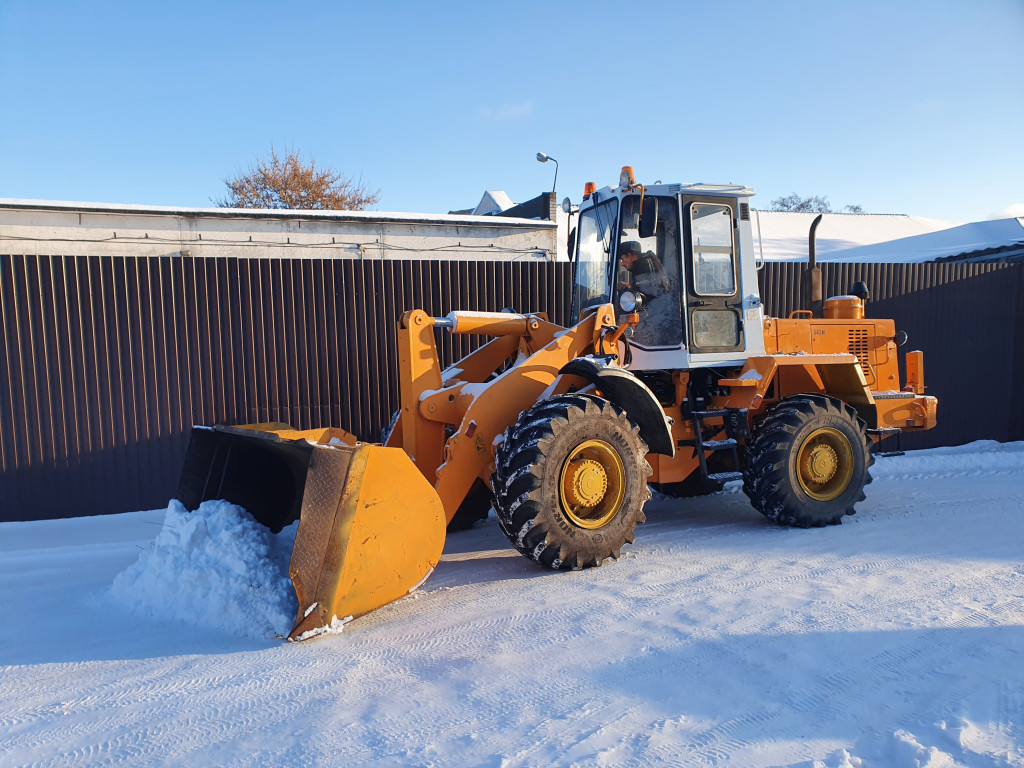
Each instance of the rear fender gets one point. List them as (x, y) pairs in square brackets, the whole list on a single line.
[(624, 389)]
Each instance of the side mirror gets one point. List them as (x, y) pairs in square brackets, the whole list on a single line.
[(648, 226), (900, 338)]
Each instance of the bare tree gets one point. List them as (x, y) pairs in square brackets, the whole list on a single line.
[(289, 182), (816, 204)]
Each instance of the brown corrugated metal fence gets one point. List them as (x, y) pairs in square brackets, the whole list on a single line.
[(106, 362)]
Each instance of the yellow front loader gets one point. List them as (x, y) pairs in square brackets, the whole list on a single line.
[(670, 377)]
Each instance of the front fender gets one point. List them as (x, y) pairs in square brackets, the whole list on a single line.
[(629, 393)]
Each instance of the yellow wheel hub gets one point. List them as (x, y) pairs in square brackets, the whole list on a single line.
[(587, 484), (821, 463), (825, 464), (592, 484)]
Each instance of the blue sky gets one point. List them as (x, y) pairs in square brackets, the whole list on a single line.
[(901, 107)]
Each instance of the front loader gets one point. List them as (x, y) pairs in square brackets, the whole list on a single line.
[(670, 376)]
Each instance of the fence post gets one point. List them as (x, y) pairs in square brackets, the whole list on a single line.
[(1017, 371)]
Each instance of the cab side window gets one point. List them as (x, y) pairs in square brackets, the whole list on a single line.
[(714, 273)]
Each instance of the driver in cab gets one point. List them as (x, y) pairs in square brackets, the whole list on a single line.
[(642, 272)]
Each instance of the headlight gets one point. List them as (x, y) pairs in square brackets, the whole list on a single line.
[(629, 301)]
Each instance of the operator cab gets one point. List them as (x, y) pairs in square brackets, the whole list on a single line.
[(681, 256)]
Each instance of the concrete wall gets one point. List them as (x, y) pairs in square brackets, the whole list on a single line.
[(32, 227)]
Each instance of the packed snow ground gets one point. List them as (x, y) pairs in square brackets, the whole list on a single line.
[(896, 639)]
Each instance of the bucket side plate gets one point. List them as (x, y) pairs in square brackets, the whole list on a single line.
[(371, 530)]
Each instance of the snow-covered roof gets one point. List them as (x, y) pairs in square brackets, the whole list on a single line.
[(783, 234), (979, 236), (493, 201)]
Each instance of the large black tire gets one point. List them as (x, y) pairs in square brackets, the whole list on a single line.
[(808, 462), (570, 481)]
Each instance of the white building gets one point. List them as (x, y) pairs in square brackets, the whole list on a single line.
[(95, 229)]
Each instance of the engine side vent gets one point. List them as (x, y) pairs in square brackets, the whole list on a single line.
[(857, 344), (744, 211)]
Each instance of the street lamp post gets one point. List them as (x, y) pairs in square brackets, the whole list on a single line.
[(542, 158)]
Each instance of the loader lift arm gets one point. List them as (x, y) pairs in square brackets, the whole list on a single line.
[(477, 412)]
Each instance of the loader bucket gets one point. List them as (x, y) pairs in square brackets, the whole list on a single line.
[(371, 528)]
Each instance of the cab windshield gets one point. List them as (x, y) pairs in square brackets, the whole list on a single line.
[(649, 265), (593, 279)]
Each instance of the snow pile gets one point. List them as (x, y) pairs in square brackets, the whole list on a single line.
[(977, 459), (217, 568)]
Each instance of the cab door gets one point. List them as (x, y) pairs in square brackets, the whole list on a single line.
[(714, 314)]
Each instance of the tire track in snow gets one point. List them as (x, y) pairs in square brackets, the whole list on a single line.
[(666, 595), (236, 697), (837, 691), (540, 736)]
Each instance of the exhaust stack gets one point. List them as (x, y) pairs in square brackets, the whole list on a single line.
[(813, 298)]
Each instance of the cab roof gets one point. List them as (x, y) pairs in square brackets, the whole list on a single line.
[(700, 188)]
